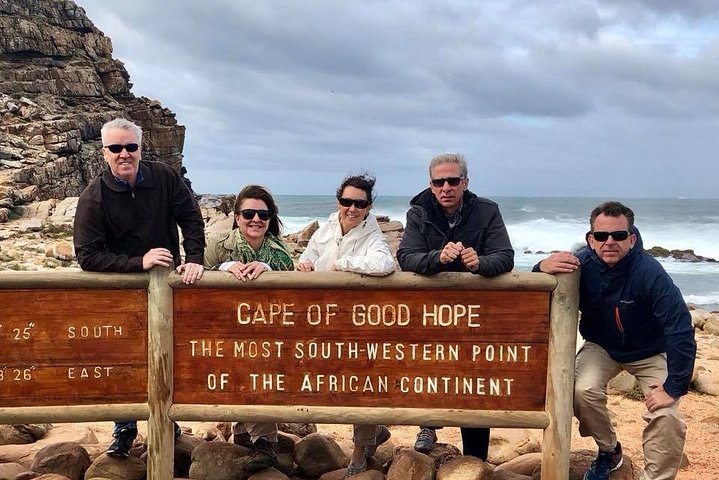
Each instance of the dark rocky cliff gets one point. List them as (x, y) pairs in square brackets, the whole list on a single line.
[(58, 84)]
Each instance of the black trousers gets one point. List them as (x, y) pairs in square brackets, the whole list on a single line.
[(475, 441)]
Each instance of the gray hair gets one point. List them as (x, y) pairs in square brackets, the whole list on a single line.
[(121, 124), (457, 158)]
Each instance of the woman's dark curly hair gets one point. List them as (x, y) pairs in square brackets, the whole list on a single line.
[(364, 181)]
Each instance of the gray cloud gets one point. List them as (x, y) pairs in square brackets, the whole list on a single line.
[(570, 97)]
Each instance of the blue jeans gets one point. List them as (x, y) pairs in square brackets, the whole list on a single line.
[(120, 426)]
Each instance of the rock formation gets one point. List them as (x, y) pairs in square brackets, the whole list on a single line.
[(58, 85)]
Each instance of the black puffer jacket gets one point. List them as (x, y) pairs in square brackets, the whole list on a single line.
[(480, 227)]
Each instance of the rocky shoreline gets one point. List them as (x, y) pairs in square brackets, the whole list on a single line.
[(39, 235)]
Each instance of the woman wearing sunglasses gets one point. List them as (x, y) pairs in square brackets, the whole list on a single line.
[(250, 248), (253, 245), (352, 241)]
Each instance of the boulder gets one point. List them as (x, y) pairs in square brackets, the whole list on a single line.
[(411, 465), (62, 250), (105, 466), (508, 443), (67, 458), (22, 434), (623, 384), (269, 474), (209, 432), (219, 461), (299, 429), (74, 433), (317, 454), (391, 226), (11, 470), (523, 465), (465, 468), (184, 446)]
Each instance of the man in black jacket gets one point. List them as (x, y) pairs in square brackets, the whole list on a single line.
[(450, 229), (126, 221)]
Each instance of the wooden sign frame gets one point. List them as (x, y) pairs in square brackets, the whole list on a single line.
[(165, 288)]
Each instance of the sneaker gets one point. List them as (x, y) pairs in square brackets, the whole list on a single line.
[(242, 439), (353, 469), (122, 444), (425, 440), (605, 463), (382, 436), (262, 456)]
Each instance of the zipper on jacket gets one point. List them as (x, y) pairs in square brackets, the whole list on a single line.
[(618, 321)]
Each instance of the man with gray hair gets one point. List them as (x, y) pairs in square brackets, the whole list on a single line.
[(126, 221), (450, 229)]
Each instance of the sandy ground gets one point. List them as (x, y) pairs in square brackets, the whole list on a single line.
[(700, 411)]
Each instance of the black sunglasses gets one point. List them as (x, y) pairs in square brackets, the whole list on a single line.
[(453, 181), (249, 214), (117, 148), (348, 202), (618, 236)]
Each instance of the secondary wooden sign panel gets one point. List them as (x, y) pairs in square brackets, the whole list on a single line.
[(479, 349), (73, 347)]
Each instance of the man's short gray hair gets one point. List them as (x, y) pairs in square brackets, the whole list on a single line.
[(457, 158), (121, 124)]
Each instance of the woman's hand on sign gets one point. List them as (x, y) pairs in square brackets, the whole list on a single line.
[(305, 266), (247, 271)]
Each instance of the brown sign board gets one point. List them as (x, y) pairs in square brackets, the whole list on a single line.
[(463, 349), (73, 347)]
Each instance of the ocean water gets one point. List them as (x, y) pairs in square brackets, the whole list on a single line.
[(545, 224)]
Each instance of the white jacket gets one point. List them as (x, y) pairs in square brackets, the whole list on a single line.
[(363, 250)]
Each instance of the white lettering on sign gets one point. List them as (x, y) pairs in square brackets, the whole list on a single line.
[(316, 316), (255, 349), (267, 381), (89, 372), (344, 383), (451, 315), (207, 348), (502, 353), (267, 314), (457, 385), (376, 351), (96, 331), (386, 315)]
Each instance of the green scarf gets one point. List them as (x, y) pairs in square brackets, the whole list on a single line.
[(273, 252)]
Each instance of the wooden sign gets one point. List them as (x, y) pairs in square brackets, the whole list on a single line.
[(463, 349), (73, 347)]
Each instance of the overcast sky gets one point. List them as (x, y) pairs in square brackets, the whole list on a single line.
[(544, 97)]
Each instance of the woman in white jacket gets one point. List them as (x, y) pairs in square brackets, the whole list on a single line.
[(352, 241)]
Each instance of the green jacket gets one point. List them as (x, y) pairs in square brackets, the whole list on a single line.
[(231, 246)]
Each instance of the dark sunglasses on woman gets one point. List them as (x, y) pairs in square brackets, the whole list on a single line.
[(249, 214)]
